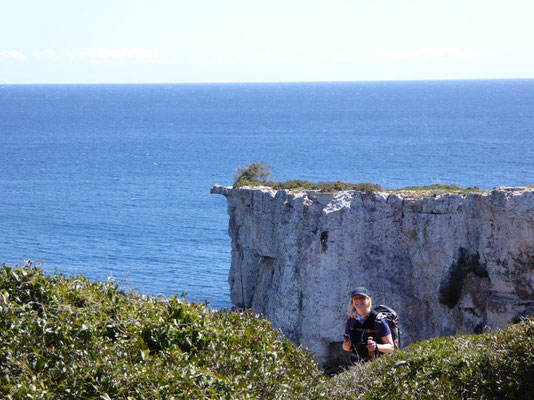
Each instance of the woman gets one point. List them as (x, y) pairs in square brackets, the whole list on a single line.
[(366, 335)]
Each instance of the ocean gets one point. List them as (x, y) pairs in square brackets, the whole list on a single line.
[(114, 180)]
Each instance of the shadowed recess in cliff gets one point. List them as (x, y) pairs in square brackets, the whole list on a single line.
[(324, 241), (452, 281), (263, 283)]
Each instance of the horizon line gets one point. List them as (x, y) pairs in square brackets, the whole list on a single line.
[(264, 82)]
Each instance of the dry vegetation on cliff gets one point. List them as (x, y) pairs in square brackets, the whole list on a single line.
[(256, 174)]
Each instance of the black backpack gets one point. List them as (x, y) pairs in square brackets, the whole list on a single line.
[(393, 321)]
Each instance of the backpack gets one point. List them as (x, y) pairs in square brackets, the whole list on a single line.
[(393, 321)]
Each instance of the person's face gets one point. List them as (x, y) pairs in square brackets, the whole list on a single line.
[(361, 303)]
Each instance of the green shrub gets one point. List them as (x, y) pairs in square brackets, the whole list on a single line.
[(69, 338), (342, 186), (437, 190), (256, 174), (496, 365), (294, 185)]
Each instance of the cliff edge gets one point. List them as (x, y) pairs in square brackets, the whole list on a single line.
[(446, 264)]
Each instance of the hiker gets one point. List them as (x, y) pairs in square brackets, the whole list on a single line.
[(365, 335)]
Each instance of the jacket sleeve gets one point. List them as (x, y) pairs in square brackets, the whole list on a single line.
[(383, 328)]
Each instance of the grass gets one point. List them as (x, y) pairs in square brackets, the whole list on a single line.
[(70, 338)]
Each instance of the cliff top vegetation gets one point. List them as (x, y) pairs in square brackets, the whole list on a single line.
[(256, 174), (70, 338)]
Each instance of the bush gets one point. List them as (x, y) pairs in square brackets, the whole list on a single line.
[(69, 338), (342, 186), (256, 175), (294, 185), (496, 365), (438, 190)]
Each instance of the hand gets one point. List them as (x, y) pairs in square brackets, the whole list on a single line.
[(347, 344), (371, 344)]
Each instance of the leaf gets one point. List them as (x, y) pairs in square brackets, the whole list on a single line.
[(145, 353), (5, 296), (248, 331)]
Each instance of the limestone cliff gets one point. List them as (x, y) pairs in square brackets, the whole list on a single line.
[(446, 264)]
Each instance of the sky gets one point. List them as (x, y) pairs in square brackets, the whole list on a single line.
[(174, 41)]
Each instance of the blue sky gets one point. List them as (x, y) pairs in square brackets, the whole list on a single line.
[(134, 41)]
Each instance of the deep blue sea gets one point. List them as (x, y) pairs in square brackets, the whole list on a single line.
[(114, 180)]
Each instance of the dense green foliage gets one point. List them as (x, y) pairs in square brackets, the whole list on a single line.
[(69, 338), (495, 365), (256, 174)]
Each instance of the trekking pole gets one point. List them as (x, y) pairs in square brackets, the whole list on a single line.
[(372, 353)]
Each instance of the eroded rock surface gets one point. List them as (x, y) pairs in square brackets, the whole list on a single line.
[(445, 264)]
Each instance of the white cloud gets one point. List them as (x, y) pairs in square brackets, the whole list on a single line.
[(12, 54), (274, 58), (212, 61), (99, 54), (446, 51), (339, 57), (45, 54), (93, 55), (265, 57), (481, 53)]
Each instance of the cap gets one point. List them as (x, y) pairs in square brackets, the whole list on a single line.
[(361, 291)]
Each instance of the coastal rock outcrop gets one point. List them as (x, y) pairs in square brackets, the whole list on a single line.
[(446, 264)]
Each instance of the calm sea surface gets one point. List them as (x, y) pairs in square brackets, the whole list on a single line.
[(114, 180)]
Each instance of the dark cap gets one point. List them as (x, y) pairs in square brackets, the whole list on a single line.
[(361, 291)]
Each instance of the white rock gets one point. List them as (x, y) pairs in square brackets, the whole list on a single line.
[(453, 263)]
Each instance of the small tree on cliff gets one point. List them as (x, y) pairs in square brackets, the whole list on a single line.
[(254, 175)]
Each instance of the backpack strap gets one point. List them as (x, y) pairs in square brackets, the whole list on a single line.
[(378, 319), (372, 316)]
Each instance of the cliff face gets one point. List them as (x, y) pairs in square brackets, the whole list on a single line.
[(445, 264)]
